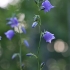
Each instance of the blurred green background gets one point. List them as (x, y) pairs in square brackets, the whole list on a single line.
[(55, 55)]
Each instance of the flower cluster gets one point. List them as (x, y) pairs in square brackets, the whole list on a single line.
[(46, 6), (13, 22)]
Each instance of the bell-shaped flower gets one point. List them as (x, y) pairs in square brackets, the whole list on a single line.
[(48, 36), (46, 5), (9, 34)]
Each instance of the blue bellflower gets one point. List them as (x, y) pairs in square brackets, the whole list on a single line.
[(9, 34), (47, 6), (48, 36), (13, 22)]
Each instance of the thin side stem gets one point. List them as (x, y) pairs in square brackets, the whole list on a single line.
[(20, 44)]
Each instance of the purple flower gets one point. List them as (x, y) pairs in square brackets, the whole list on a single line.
[(48, 36), (9, 34), (26, 43), (23, 29), (47, 6), (34, 24), (13, 22)]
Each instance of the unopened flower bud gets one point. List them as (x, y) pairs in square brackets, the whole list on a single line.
[(36, 17), (23, 29), (26, 43), (34, 24)]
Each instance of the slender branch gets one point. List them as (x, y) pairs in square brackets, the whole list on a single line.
[(39, 52), (40, 37), (39, 21), (20, 44)]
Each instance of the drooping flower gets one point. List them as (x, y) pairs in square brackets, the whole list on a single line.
[(46, 5), (48, 36), (9, 34), (13, 22), (34, 24)]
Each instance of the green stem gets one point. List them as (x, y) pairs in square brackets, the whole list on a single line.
[(38, 52), (20, 44), (40, 37)]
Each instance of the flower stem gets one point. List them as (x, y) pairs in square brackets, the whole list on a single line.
[(40, 37), (38, 52), (20, 44)]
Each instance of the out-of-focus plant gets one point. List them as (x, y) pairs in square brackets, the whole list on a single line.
[(13, 22)]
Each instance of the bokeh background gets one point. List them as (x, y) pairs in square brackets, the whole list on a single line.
[(55, 55)]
